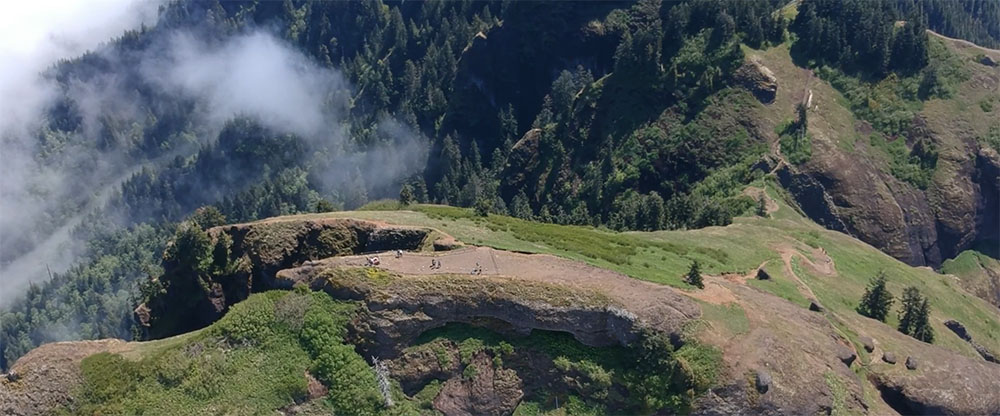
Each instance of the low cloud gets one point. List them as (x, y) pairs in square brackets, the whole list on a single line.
[(252, 74)]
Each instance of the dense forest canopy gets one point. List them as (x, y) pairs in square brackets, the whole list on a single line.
[(616, 114)]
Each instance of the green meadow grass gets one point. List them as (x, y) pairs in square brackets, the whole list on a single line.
[(664, 256)]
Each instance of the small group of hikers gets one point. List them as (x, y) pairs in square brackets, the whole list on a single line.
[(435, 264), (478, 269), (375, 261)]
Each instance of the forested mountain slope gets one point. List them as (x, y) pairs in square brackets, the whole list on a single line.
[(633, 116)]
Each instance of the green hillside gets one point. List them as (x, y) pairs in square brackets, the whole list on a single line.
[(282, 330), (651, 207), (664, 257)]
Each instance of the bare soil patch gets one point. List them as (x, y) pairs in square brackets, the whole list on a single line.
[(653, 303)]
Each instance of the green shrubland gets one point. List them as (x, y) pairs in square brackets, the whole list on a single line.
[(252, 361)]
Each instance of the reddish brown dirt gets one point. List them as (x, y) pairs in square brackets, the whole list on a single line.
[(714, 292), (742, 278), (770, 205), (823, 266)]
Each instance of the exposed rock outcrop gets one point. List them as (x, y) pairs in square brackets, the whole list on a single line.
[(852, 193), (406, 296), (523, 159), (952, 386), (960, 330), (397, 312), (757, 79), (481, 390), (417, 367)]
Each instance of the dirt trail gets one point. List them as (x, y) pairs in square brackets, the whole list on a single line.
[(652, 302), (826, 267), (786, 258), (714, 292), (742, 278), (770, 205), (964, 43)]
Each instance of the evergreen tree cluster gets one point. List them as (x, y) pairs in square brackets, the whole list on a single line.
[(914, 317), (862, 36), (977, 21)]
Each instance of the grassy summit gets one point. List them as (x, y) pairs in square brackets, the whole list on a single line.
[(664, 256), (280, 348)]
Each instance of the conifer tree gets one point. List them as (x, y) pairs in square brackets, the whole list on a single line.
[(406, 195), (762, 206), (694, 275), (877, 300), (914, 319), (911, 308), (922, 329)]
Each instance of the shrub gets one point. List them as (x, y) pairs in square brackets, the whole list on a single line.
[(353, 388), (250, 320)]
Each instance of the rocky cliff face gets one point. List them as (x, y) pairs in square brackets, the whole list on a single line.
[(398, 310), (852, 182), (255, 255), (850, 193)]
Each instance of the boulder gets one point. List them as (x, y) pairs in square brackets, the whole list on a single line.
[(867, 342), (958, 329), (889, 357), (815, 307), (911, 363), (762, 381), (762, 274), (758, 79), (988, 60), (846, 355)]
